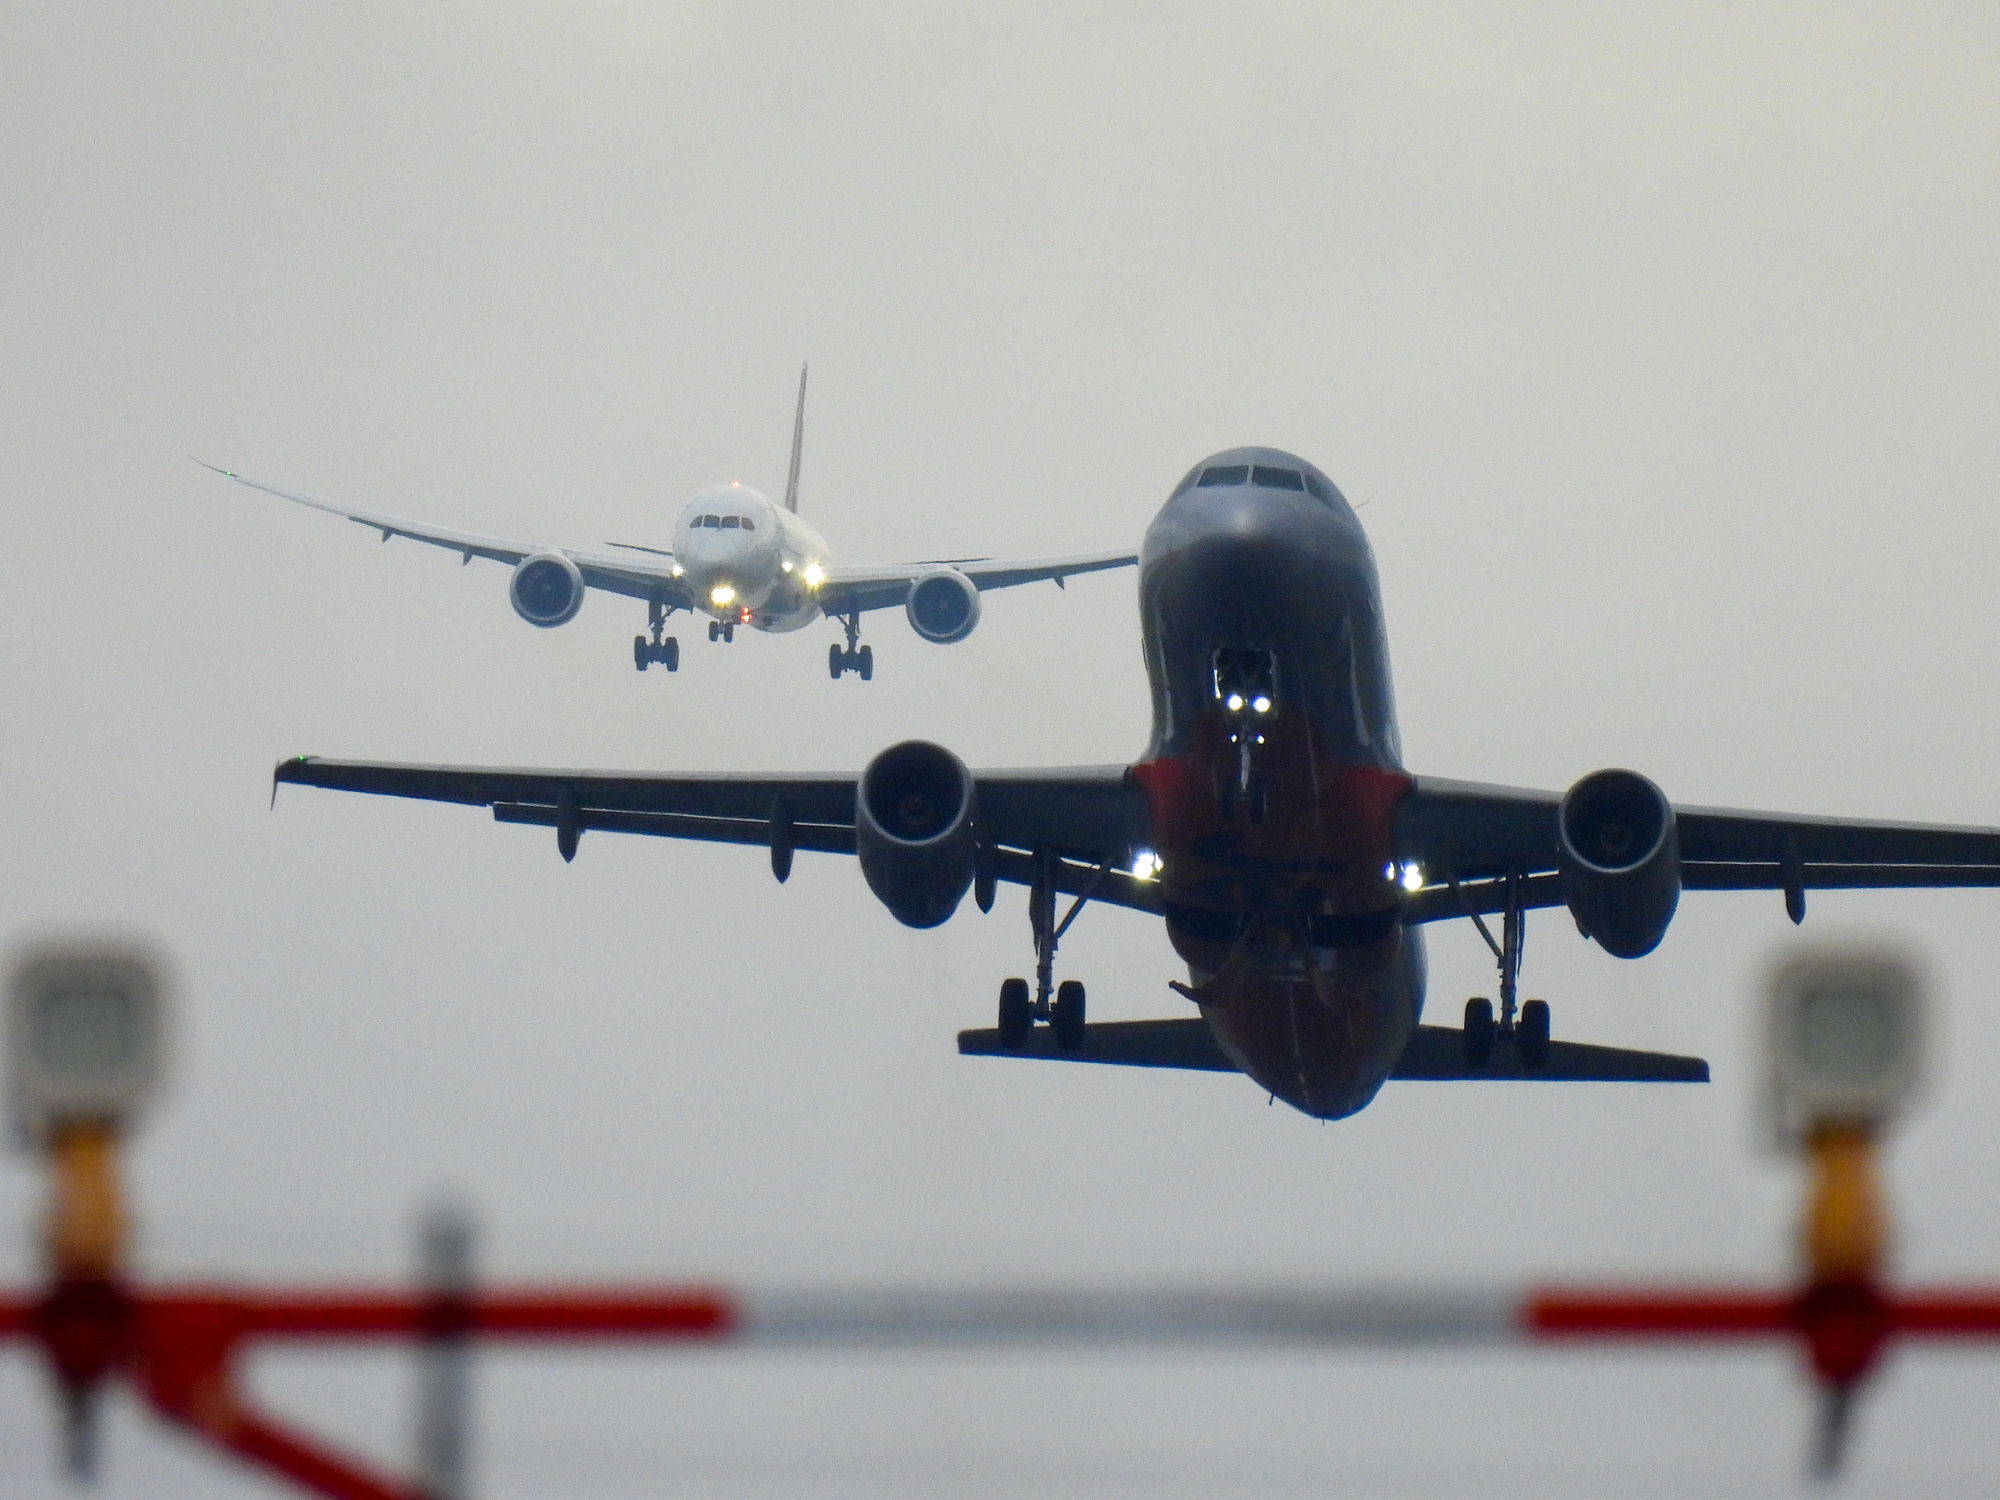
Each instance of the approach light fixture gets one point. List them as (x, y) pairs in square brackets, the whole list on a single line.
[(1844, 1032), (85, 1035)]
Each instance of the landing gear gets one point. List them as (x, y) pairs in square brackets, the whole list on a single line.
[(722, 630), (1017, 1013), (1066, 1015), (1478, 1032), (852, 658), (1064, 1010), (1528, 1032), (646, 651)]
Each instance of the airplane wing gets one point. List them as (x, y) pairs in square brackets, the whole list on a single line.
[(860, 589), (1478, 834), (1093, 819), (647, 576)]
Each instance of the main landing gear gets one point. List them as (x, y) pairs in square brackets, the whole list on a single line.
[(1526, 1031), (722, 630), (854, 658), (1064, 1011), (645, 652)]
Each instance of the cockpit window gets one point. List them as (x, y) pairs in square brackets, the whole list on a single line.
[(1319, 489), (1278, 479), (748, 524), (1223, 474), (708, 521), (730, 523)]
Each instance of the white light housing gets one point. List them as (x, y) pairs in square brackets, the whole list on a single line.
[(1845, 1033), (85, 1035)]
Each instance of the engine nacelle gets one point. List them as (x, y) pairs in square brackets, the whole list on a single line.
[(914, 810), (943, 606), (1620, 860), (547, 589)]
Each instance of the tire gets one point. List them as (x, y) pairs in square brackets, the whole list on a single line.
[(1016, 1015), (1532, 1036), (671, 654), (866, 662), (1066, 1015), (714, 630), (1478, 1033), (641, 654), (834, 665)]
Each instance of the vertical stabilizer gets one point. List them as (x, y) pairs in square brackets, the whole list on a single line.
[(798, 443)]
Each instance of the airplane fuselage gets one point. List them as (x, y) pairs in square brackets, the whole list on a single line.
[(1272, 776), (747, 561)]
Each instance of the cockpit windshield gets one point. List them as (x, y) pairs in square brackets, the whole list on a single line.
[(1223, 474), (1277, 479)]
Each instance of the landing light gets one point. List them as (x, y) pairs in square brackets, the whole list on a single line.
[(677, 570), (722, 593), (1146, 865), (1261, 704), (813, 575), (1234, 703), (786, 566), (1413, 877)]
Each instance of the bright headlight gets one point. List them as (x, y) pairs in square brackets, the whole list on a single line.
[(722, 593), (813, 575)]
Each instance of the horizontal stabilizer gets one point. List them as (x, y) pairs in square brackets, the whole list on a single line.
[(1136, 1044), (1436, 1053)]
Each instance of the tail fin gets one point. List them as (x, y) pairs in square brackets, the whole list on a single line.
[(798, 442)]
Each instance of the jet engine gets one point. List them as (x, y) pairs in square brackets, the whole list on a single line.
[(943, 606), (914, 810), (547, 589), (1620, 861)]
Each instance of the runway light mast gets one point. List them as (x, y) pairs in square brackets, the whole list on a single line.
[(85, 1041)]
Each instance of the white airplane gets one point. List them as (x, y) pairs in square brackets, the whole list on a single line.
[(741, 560)]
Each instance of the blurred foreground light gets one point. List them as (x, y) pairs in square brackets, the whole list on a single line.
[(85, 1034), (1845, 1033)]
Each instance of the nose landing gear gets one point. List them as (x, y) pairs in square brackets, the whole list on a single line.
[(1527, 1031), (667, 651), (853, 658), (1065, 1010), (722, 630)]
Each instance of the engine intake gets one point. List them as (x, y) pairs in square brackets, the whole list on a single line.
[(914, 810), (1620, 861), (547, 589), (943, 606)]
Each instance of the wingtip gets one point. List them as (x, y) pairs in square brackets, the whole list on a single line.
[(213, 468)]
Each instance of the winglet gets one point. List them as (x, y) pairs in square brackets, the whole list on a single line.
[(798, 442)]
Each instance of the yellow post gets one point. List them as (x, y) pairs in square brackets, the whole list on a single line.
[(86, 1227)]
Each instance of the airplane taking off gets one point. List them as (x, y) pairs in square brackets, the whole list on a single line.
[(1270, 822), (741, 560)]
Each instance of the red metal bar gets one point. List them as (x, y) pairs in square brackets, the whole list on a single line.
[(692, 1313), (1690, 1314)]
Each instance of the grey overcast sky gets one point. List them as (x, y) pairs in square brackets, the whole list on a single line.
[(1658, 341)]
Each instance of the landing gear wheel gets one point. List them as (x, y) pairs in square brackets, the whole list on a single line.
[(1016, 1014), (865, 663), (1066, 1015), (715, 630), (1531, 1037), (642, 652), (729, 633), (670, 654), (836, 662), (1478, 1033)]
